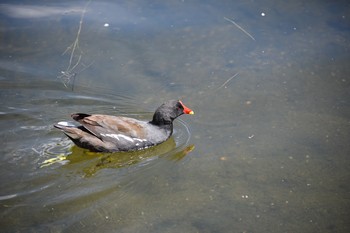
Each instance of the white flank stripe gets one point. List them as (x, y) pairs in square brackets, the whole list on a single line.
[(118, 136), (140, 140), (126, 137)]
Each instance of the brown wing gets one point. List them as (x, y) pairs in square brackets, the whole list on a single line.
[(100, 125)]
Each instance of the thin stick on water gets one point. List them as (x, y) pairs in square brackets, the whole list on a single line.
[(69, 73), (76, 42), (74, 74), (76, 64), (227, 81), (240, 28)]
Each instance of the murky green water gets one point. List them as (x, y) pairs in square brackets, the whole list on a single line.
[(267, 150)]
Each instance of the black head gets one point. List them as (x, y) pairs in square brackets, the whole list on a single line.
[(169, 111)]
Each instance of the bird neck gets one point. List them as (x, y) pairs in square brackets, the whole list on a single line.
[(162, 122), (160, 118)]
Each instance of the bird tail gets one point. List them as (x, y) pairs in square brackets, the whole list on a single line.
[(71, 130)]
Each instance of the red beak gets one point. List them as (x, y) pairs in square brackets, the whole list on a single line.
[(186, 109)]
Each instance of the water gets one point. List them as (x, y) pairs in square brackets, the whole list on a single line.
[(266, 151)]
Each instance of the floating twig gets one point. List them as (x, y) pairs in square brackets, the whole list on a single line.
[(228, 80), (240, 28), (70, 72)]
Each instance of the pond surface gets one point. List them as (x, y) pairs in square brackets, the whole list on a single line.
[(266, 151)]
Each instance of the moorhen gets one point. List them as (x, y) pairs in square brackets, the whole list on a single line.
[(105, 133)]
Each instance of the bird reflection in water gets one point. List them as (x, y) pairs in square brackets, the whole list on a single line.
[(91, 162)]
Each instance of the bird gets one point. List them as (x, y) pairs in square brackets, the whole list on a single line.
[(107, 133)]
